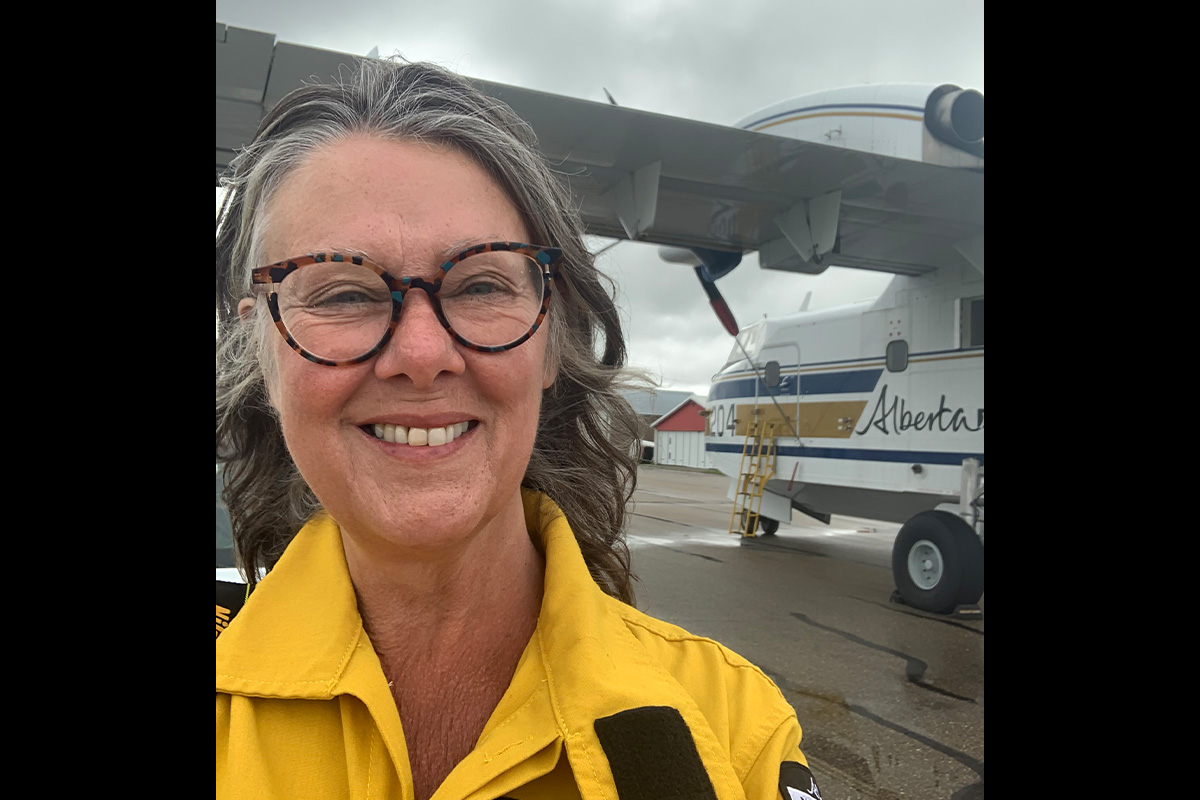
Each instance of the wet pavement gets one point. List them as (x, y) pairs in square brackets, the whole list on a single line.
[(890, 699)]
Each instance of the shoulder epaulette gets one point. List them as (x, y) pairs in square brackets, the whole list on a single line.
[(653, 755)]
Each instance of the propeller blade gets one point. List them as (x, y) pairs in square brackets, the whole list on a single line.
[(718, 303), (709, 265)]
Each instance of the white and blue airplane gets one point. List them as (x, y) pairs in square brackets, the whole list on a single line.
[(877, 407)]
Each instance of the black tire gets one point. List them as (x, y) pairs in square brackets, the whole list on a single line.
[(751, 528), (768, 525), (949, 541)]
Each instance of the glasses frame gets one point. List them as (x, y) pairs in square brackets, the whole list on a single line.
[(273, 274)]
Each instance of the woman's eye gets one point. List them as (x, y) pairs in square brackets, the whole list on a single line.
[(348, 297), (483, 288), (344, 296)]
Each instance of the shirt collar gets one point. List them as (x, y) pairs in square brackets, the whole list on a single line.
[(298, 629), (595, 666), (592, 665)]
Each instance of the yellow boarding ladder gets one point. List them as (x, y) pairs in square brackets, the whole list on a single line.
[(757, 467)]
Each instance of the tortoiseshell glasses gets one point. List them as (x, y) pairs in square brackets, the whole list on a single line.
[(337, 309)]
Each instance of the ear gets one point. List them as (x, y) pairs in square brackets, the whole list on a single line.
[(245, 306)]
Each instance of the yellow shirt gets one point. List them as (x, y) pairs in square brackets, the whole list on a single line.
[(304, 709)]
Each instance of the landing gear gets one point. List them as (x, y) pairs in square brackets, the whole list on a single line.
[(768, 525), (937, 562)]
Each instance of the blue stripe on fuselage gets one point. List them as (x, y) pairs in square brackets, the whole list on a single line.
[(845, 382), (853, 454)]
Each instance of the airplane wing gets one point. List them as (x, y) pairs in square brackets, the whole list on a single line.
[(672, 181)]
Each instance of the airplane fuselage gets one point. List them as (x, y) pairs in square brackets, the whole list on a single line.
[(877, 404)]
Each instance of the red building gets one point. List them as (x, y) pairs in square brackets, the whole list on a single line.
[(679, 436)]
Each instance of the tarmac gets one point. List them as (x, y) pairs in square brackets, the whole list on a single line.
[(890, 699)]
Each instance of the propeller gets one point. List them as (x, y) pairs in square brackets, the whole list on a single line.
[(709, 265), (718, 303)]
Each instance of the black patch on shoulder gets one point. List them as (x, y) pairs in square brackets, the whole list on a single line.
[(230, 599), (653, 756), (796, 782)]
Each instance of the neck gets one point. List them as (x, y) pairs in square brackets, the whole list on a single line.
[(476, 600)]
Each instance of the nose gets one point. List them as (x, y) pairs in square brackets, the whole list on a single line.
[(421, 349)]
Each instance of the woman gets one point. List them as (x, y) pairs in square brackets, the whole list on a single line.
[(427, 456)]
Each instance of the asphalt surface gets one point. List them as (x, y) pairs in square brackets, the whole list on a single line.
[(890, 699)]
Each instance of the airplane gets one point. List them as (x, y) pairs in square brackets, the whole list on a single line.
[(877, 407)]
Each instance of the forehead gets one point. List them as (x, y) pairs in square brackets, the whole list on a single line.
[(396, 202)]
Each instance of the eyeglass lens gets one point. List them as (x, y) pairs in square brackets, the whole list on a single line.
[(341, 310)]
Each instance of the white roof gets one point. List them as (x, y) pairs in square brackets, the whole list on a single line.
[(693, 398), (654, 401)]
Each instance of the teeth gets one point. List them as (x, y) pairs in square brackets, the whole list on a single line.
[(420, 437)]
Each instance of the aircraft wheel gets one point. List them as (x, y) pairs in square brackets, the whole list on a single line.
[(768, 525), (749, 528), (937, 562)]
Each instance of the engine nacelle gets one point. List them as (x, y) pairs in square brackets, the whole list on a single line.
[(955, 116)]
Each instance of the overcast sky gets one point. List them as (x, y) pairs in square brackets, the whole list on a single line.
[(712, 61)]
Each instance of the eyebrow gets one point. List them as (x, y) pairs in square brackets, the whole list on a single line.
[(444, 255)]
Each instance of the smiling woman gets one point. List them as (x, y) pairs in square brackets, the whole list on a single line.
[(424, 448)]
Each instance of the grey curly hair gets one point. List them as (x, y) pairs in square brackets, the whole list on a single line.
[(584, 455)]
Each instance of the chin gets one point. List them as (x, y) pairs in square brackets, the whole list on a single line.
[(426, 522)]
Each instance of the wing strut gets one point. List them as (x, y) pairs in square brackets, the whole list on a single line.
[(635, 199), (811, 228)]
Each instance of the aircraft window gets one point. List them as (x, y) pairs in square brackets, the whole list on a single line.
[(897, 356), (771, 374), (737, 366), (972, 322)]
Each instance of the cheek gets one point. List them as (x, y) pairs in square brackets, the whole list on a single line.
[(301, 391)]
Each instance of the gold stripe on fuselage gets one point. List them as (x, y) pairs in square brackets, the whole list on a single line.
[(838, 114), (821, 420)]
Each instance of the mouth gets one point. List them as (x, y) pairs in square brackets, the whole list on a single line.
[(418, 437)]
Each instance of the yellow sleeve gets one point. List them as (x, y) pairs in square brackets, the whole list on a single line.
[(761, 781)]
